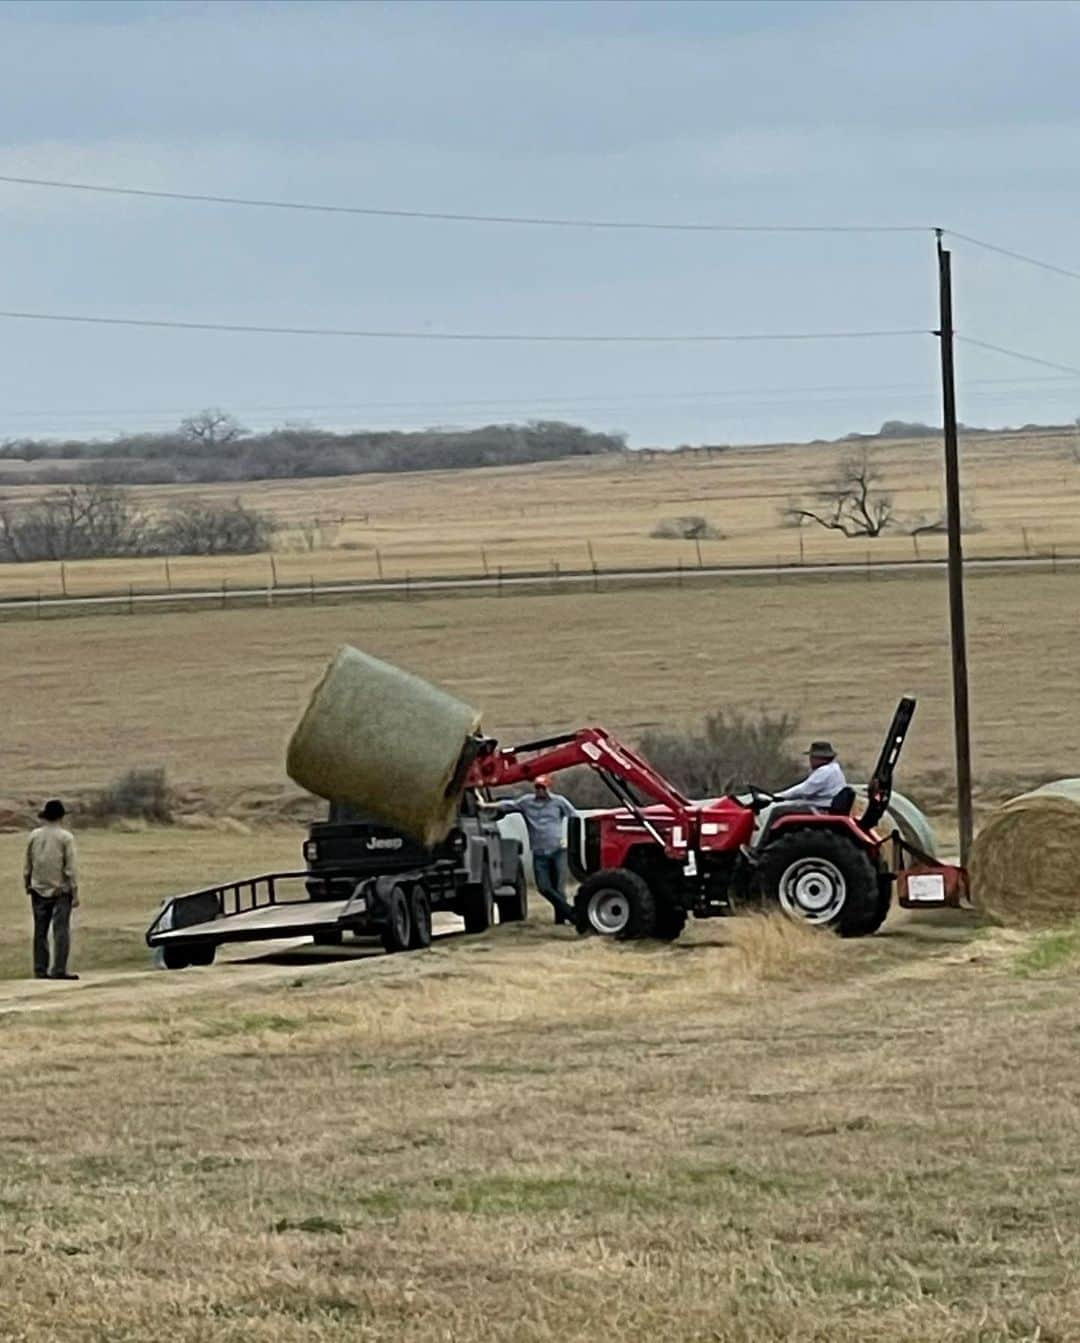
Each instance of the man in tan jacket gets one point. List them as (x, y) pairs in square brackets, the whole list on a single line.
[(52, 884)]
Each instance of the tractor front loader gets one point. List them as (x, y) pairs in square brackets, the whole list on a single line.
[(657, 857)]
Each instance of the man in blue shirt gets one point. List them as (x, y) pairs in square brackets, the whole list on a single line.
[(544, 813)]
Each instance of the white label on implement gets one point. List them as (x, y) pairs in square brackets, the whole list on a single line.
[(927, 888)]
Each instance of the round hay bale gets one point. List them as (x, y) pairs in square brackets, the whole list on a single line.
[(384, 741), (1025, 862)]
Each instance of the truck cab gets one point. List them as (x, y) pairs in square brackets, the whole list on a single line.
[(472, 870)]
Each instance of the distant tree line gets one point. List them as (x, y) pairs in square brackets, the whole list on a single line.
[(81, 522), (213, 446)]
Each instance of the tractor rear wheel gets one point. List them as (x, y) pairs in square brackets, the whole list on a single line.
[(515, 908), (616, 903), (825, 879), (397, 930)]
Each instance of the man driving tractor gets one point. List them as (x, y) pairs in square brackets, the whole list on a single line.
[(822, 784)]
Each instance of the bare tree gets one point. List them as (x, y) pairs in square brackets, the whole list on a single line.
[(212, 428), (850, 502), (77, 522)]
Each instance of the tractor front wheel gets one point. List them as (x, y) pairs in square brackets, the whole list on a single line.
[(616, 903), (825, 880)]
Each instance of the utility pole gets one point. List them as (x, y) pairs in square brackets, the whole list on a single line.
[(957, 627)]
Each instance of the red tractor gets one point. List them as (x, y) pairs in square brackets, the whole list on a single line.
[(658, 856)]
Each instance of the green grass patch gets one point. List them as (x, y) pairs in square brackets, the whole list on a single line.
[(256, 1023), (1049, 951)]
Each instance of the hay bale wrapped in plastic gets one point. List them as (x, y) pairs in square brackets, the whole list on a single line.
[(385, 741), (1025, 862)]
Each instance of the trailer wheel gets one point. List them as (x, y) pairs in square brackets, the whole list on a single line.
[(202, 953), (515, 908), (420, 918), (397, 930), (478, 906), (824, 879), (616, 903), (175, 958)]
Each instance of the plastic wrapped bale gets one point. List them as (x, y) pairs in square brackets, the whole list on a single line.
[(1025, 862), (385, 741)]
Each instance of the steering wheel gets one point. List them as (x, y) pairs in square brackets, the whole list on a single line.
[(760, 798)]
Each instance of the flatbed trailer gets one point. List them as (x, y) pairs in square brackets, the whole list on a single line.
[(362, 879)]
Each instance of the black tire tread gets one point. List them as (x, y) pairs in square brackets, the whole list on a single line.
[(864, 910), (642, 922)]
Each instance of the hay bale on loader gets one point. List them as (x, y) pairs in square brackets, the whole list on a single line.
[(384, 741), (1025, 862)]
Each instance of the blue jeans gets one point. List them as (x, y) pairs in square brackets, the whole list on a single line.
[(549, 871)]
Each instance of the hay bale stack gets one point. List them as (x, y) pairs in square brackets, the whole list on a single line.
[(385, 741), (1025, 862)]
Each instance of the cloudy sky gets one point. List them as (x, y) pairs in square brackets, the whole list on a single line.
[(908, 114)]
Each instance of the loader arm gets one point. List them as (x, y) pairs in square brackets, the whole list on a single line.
[(624, 771)]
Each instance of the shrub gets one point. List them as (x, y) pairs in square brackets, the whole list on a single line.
[(137, 793), (689, 528), (730, 751)]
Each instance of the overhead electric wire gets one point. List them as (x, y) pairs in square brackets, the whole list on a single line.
[(1015, 256), (458, 217), (1018, 354), (615, 338)]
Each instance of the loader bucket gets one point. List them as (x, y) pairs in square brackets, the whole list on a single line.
[(385, 741)]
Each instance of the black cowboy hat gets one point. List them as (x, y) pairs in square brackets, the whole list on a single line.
[(53, 810), (822, 749)]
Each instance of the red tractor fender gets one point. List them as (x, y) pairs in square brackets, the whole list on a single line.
[(814, 819)]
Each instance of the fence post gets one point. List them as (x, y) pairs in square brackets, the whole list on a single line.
[(131, 599), (311, 589), (378, 561), (499, 587), (1053, 559), (869, 570), (915, 543), (39, 604), (168, 575), (484, 562), (1027, 546), (697, 547), (802, 553), (63, 578), (679, 579), (408, 581), (224, 592), (273, 571)]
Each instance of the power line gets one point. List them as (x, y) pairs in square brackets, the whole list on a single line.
[(460, 217), (1015, 256), (561, 338), (1018, 354), (618, 399)]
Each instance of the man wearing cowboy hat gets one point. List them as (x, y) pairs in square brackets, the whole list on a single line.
[(52, 884), (824, 781)]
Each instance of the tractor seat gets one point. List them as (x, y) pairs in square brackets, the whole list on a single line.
[(842, 803)]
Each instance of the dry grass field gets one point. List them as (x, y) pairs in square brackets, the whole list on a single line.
[(1023, 490), (213, 695), (757, 1134)]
